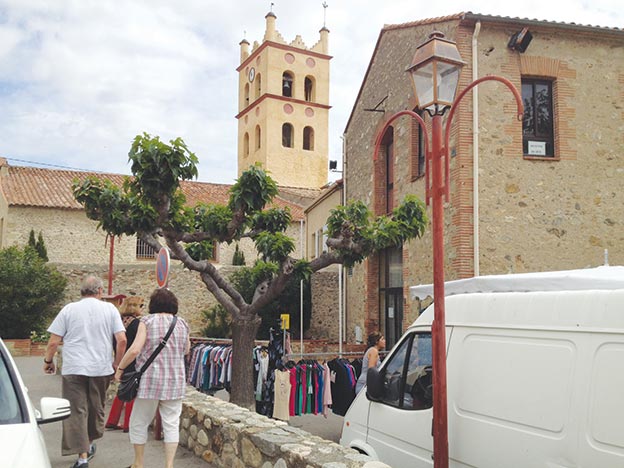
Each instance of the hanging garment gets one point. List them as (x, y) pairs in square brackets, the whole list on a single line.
[(282, 395)]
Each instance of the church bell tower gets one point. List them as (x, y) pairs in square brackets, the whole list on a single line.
[(283, 108)]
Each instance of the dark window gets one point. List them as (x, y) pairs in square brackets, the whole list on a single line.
[(418, 147), (144, 250), (258, 89), (246, 145), (308, 138), (538, 121), (308, 89), (408, 374), (258, 137), (388, 146), (287, 135), (391, 294), (287, 84), (246, 94)]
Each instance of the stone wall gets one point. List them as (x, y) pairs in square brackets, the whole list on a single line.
[(325, 301), (140, 280), (226, 435)]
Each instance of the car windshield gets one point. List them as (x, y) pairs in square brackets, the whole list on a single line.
[(10, 412)]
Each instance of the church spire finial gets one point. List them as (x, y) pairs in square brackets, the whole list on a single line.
[(324, 14)]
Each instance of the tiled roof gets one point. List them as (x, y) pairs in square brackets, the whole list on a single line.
[(51, 188), (495, 18)]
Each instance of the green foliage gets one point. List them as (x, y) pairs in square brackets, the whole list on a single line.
[(158, 167), (252, 191), (274, 246), (39, 337), (32, 242), (352, 221), (213, 219), (272, 220), (200, 250), (217, 322), (38, 245), (238, 258), (41, 248), (29, 289), (245, 281)]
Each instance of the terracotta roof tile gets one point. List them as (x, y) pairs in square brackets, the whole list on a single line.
[(496, 18), (51, 188)]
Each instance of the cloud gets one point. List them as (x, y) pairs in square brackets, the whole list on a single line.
[(80, 78)]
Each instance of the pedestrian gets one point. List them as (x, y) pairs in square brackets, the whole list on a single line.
[(130, 311), (376, 342), (163, 383), (86, 329)]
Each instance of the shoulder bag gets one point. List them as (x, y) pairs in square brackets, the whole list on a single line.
[(129, 385)]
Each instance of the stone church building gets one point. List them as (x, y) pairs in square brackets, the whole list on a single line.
[(544, 193)]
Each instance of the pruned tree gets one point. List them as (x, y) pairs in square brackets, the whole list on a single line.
[(152, 206)]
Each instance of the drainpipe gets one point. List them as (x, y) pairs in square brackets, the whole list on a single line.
[(342, 284), (111, 255), (475, 151), (303, 255)]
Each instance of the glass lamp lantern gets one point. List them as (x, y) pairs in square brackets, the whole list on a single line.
[(435, 73)]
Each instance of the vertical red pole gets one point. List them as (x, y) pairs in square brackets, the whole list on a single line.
[(438, 331), (110, 265)]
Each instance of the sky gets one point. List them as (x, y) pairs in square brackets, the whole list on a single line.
[(79, 79)]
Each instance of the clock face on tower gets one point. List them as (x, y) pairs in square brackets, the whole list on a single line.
[(252, 73)]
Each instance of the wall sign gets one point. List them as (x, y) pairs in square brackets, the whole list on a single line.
[(537, 148)]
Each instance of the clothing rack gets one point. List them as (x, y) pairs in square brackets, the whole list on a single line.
[(338, 354), (221, 341)]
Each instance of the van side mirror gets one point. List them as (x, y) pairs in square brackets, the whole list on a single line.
[(374, 384)]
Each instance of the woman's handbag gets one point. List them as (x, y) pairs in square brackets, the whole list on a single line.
[(129, 385)]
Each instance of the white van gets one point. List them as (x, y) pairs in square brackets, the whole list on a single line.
[(535, 371)]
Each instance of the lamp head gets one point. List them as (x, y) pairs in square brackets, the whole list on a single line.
[(435, 73)]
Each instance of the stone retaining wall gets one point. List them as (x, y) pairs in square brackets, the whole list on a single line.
[(227, 435)]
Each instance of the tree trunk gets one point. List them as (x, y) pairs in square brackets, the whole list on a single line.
[(243, 338)]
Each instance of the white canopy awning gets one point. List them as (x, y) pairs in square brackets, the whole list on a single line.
[(603, 277)]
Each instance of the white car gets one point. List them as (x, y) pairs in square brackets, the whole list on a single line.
[(21, 441)]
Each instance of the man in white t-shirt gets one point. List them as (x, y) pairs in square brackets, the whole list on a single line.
[(86, 329)]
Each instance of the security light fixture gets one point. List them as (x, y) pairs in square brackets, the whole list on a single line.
[(520, 40)]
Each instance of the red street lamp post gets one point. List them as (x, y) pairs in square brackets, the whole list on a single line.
[(435, 74)]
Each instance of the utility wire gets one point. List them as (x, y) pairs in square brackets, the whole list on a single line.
[(37, 163)]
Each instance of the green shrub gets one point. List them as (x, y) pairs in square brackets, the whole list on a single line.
[(217, 322), (38, 245), (29, 290), (239, 257)]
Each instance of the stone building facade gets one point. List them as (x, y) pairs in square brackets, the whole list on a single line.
[(515, 206)]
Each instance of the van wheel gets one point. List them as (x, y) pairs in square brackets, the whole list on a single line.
[(360, 451)]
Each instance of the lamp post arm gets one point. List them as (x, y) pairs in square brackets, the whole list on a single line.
[(421, 122), (447, 130)]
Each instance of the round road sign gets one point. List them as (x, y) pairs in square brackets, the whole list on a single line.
[(162, 267)]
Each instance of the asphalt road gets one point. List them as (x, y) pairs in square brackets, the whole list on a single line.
[(114, 449)]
